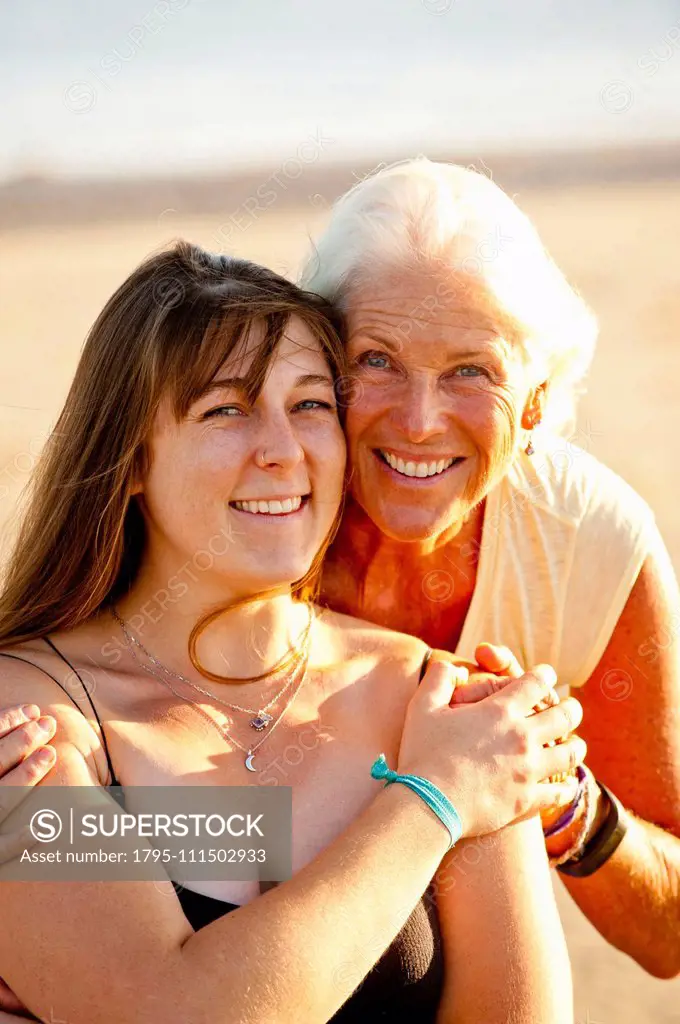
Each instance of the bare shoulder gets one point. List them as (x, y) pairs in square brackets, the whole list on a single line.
[(25, 671), (378, 649)]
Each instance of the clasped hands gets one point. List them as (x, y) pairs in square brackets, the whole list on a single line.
[(494, 667)]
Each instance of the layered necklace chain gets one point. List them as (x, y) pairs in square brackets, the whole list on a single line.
[(262, 719)]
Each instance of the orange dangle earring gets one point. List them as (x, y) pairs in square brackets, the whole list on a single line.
[(530, 447), (534, 418)]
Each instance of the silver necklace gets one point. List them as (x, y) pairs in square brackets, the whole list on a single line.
[(262, 718), (249, 751)]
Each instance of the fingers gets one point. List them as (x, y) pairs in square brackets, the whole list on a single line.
[(23, 740), (549, 795), (498, 659), (563, 757), (525, 693), (439, 682), (25, 759), (18, 783), (548, 702), (16, 715), (558, 721), (479, 686), (28, 773), (498, 666), (438, 654)]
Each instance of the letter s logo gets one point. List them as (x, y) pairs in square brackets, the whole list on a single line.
[(45, 826)]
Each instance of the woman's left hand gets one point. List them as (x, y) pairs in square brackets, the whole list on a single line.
[(498, 660), (493, 669), (495, 666)]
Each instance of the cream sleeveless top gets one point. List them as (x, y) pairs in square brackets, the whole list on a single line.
[(563, 540)]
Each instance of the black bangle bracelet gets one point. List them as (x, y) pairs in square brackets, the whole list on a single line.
[(601, 846)]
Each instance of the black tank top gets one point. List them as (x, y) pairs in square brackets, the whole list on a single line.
[(405, 985)]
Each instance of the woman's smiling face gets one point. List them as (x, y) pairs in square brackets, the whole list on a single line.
[(265, 476), (434, 413)]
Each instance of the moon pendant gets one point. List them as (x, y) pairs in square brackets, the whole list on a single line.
[(249, 763)]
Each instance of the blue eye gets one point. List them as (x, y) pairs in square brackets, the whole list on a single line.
[(476, 371), (224, 410), (376, 360), (313, 403)]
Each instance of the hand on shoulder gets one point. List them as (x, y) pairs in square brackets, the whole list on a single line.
[(76, 744)]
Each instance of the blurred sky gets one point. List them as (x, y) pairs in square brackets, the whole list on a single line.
[(129, 86)]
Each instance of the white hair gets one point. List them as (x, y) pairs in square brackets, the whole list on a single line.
[(420, 213)]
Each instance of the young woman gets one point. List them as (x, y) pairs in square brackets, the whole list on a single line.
[(161, 593)]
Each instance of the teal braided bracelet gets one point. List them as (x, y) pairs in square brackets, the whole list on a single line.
[(433, 797)]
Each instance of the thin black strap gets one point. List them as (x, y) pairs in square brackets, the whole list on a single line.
[(426, 662), (27, 661), (114, 781), (17, 657)]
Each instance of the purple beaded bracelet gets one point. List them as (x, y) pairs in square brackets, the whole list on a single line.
[(570, 813)]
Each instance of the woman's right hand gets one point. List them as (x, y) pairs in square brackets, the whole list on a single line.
[(490, 758), (25, 759)]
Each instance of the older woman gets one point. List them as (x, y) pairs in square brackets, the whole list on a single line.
[(472, 517)]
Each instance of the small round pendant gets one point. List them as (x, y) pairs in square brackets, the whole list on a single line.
[(249, 762)]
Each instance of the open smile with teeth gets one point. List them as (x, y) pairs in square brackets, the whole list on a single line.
[(417, 469), (278, 507)]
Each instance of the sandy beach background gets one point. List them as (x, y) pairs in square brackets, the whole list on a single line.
[(612, 223)]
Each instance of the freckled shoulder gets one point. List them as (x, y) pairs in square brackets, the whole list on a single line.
[(75, 740), (384, 651)]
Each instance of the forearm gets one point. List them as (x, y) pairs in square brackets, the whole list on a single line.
[(294, 954), (510, 962), (321, 933), (634, 898)]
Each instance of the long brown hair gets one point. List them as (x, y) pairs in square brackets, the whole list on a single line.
[(166, 331)]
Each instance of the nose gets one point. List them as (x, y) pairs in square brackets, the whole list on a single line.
[(278, 446), (419, 415)]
